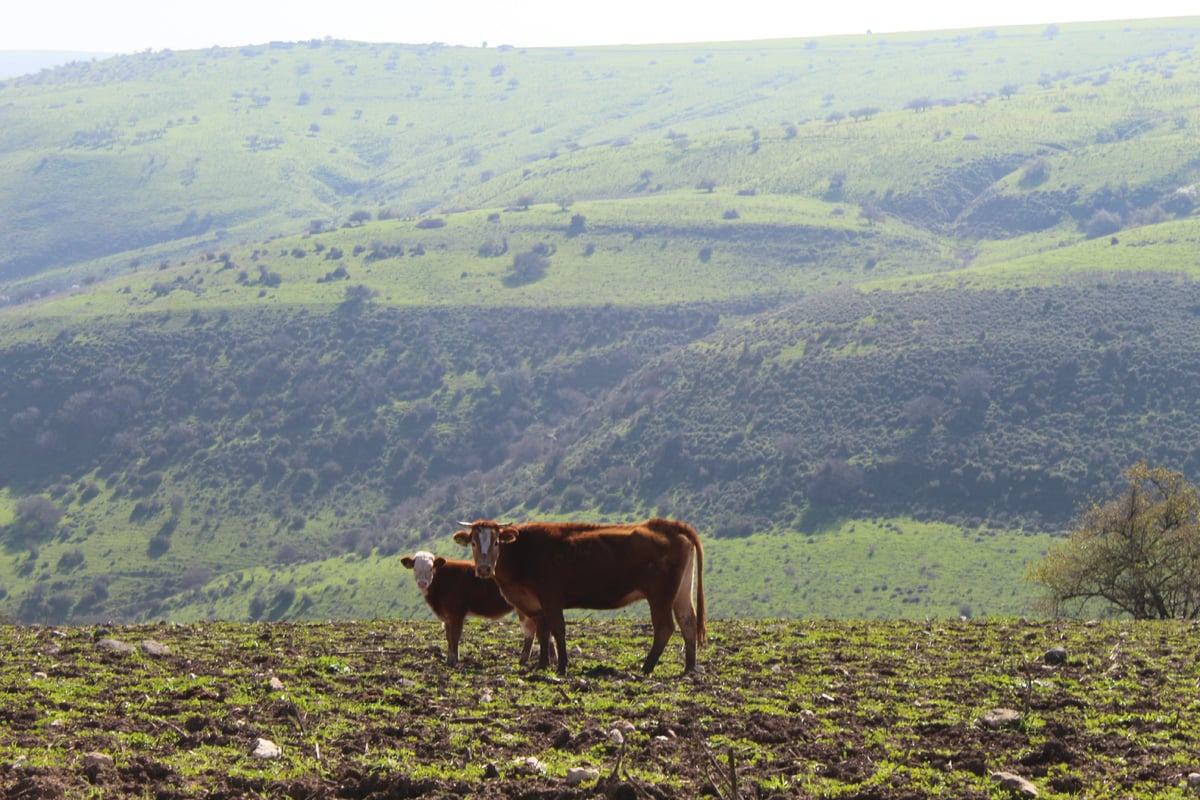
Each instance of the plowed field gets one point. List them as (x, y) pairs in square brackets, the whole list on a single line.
[(870, 710)]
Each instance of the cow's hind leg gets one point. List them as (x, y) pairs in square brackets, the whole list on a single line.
[(687, 626), (558, 626), (660, 618), (528, 630), (685, 615), (543, 637)]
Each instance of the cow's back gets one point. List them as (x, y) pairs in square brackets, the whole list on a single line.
[(589, 565)]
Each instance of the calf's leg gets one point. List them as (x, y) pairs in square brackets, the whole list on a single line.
[(454, 628)]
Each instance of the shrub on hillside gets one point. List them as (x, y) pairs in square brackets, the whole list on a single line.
[(37, 515), (835, 481), (1035, 172), (1102, 223), (527, 267)]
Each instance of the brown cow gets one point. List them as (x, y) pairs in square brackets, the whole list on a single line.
[(453, 591), (545, 567)]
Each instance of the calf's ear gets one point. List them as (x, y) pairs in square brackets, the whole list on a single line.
[(463, 538), (437, 562), (407, 561), (506, 535)]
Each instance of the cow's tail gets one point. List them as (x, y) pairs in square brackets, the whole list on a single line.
[(701, 626), (675, 527)]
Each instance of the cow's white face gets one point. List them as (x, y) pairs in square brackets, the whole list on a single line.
[(485, 543), (422, 565), (484, 538)]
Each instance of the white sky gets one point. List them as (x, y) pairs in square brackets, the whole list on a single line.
[(124, 26)]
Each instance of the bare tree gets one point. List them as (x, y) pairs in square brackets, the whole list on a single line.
[(1137, 555)]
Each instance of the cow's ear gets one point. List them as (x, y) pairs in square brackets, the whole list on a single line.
[(506, 535), (463, 538), (437, 562), (407, 561)]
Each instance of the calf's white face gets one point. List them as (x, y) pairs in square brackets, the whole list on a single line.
[(422, 563)]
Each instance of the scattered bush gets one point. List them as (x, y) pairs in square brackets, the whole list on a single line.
[(528, 267), (38, 516), (1035, 172), (69, 560), (1102, 223)]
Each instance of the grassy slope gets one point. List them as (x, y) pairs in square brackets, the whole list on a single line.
[(865, 569), (199, 148), (789, 239)]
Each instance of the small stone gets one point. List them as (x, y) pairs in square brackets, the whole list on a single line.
[(115, 645), (1055, 656), (153, 648), (531, 766), (265, 748), (94, 760), (577, 775), (274, 684), (1001, 718), (616, 736), (39, 675), (1193, 781), (95, 763), (1014, 783)]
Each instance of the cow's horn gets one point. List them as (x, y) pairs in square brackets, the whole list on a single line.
[(464, 524)]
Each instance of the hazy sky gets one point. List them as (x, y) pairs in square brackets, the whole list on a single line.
[(133, 25)]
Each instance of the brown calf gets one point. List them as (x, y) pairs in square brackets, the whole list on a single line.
[(453, 591), (545, 567)]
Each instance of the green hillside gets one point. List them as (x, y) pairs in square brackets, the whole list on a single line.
[(165, 153), (876, 315)]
